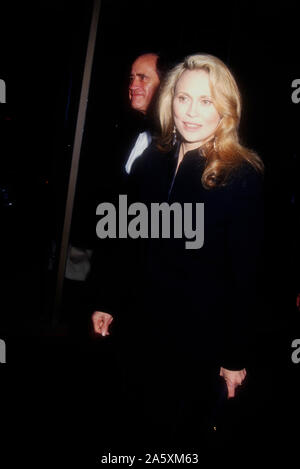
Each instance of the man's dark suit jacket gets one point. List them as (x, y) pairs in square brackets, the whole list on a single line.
[(109, 179)]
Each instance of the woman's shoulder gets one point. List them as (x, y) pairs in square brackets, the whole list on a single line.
[(245, 178)]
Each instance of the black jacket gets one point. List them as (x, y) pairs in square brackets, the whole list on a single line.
[(200, 301), (107, 180)]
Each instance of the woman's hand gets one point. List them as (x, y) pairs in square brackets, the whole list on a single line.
[(101, 322), (233, 379)]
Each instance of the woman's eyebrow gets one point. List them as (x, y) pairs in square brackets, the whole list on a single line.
[(201, 96), (182, 92)]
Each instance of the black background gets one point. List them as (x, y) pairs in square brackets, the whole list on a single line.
[(43, 46)]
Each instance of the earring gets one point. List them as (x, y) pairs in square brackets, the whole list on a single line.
[(174, 136), (215, 144)]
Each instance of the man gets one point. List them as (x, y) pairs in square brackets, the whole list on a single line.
[(145, 76), (144, 82)]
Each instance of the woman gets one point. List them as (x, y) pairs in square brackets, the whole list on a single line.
[(194, 305)]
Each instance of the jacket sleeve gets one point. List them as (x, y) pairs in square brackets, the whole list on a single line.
[(113, 266), (244, 240)]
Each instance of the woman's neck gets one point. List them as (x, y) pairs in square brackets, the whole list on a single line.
[(184, 148), (182, 152)]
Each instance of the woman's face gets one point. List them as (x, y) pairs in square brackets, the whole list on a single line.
[(194, 113)]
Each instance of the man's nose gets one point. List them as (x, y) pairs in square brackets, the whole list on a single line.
[(134, 83)]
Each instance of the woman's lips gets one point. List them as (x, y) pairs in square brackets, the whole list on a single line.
[(191, 127)]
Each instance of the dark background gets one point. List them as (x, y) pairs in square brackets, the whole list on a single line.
[(43, 46)]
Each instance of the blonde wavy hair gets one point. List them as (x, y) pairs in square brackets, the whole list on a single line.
[(223, 151)]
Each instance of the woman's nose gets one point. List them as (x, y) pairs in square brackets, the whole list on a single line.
[(192, 109)]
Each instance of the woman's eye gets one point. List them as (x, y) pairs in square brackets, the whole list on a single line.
[(206, 102), (182, 99)]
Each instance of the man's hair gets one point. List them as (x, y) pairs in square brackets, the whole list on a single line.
[(163, 64), (223, 150)]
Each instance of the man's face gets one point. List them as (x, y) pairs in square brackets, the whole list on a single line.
[(144, 81)]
